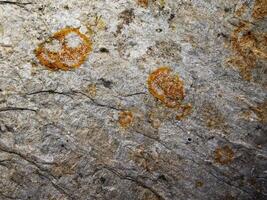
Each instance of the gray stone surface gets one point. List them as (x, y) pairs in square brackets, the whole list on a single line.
[(60, 136)]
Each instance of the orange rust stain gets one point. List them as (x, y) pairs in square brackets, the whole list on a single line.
[(260, 9), (143, 3), (169, 89), (224, 155), (126, 118), (248, 48), (64, 56)]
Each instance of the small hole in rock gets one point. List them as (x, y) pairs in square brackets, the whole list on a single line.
[(226, 9), (162, 177), (103, 50), (171, 17), (102, 179)]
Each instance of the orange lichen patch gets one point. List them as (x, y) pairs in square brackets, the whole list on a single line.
[(125, 118), (143, 3), (224, 155), (260, 9), (65, 50), (169, 89), (166, 87), (248, 48)]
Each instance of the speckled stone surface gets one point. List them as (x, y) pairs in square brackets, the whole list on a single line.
[(96, 132)]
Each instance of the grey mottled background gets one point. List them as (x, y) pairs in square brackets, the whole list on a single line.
[(59, 133)]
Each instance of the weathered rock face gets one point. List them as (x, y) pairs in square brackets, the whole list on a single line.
[(101, 119)]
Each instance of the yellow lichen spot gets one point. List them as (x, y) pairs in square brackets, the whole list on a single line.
[(169, 89), (260, 9), (224, 155), (199, 184), (96, 24), (91, 90), (125, 118), (162, 3), (65, 50)]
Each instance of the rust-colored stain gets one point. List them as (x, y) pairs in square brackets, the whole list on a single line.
[(126, 118), (167, 87), (248, 48), (143, 3), (224, 155), (65, 50), (260, 9)]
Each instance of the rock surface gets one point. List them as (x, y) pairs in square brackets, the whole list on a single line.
[(96, 132)]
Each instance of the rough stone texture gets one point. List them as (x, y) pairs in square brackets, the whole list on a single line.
[(96, 132)]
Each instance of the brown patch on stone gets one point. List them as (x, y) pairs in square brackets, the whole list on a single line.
[(148, 195), (144, 159), (169, 89), (241, 10), (143, 3), (154, 119), (248, 47), (127, 16), (126, 118), (169, 166), (65, 50), (213, 118), (224, 155), (68, 166), (260, 9), (261, 112), (185, 111), (169, 50)]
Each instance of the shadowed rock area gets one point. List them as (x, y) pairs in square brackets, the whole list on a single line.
[(133, 99)]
